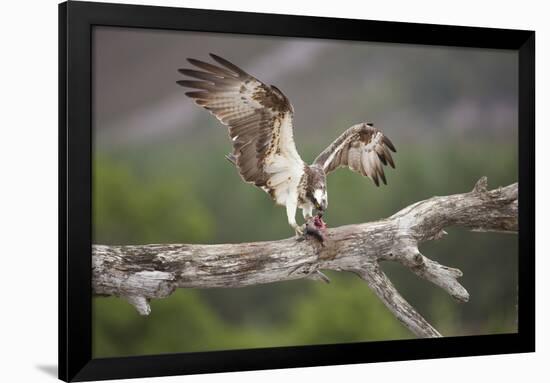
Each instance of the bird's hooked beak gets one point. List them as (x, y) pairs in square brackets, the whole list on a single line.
[(321, 207)]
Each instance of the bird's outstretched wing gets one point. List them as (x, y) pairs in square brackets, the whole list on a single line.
[(259, 118), (362, 148)]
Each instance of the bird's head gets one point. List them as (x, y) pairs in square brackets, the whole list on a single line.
[(317, 188)]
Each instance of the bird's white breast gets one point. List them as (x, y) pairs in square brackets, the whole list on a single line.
[(285, 167)]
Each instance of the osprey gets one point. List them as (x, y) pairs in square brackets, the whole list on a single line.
[(259, 118)]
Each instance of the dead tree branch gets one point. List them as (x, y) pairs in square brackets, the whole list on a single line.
[(144, 272)]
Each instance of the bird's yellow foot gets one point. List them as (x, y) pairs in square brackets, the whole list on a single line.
[(299, 230)]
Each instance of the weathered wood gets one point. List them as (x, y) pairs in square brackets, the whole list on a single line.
[(144, 272)]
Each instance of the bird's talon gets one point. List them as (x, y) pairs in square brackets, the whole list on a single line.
[(299, 231)]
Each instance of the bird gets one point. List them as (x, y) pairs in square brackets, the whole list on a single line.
[(259, 118)]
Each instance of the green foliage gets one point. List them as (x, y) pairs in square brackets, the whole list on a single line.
[(179, 193), (173, 325), (345, 311), (342, 311), (130, 210)]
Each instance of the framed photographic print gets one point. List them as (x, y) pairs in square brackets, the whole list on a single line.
[(199, 149)]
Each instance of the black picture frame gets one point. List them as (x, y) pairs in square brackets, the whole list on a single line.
[(76, 20)]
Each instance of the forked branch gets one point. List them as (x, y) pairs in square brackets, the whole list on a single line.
[(144, 272)]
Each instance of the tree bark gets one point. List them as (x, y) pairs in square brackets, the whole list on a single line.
[(144, 272)]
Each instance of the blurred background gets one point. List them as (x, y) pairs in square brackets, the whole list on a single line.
[(159, 175)]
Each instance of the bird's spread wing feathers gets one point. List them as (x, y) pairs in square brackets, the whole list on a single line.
[(362, 148), (259, 118)]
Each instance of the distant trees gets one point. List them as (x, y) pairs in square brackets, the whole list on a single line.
[(177, 195)]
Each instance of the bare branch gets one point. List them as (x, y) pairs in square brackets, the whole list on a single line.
[(144, 272), (444, 277), (384, 289)]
